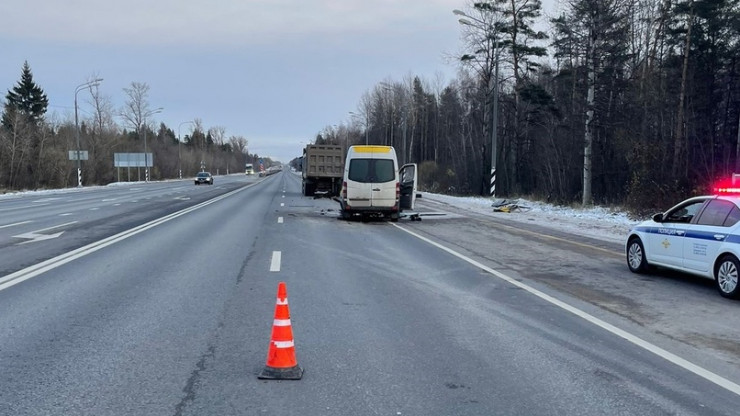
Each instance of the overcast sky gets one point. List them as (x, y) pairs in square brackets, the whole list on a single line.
[(274, 71)]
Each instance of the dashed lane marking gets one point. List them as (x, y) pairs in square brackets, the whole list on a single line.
[(275, 263), (14, 224)]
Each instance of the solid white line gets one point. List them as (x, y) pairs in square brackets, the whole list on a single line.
[(675, 359), (39, 268), (17, 223), (280, 220), (275, 263)]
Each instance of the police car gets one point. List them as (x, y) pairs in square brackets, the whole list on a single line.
[(701, 236)]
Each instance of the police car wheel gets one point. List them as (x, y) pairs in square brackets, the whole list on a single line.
[(636, 260), (726, 277)]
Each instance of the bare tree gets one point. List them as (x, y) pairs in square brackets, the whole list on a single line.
[(218, 134), (137, 105), (102, 133), (239, 144)]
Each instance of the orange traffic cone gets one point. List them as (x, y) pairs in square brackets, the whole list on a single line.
[(281, 362)]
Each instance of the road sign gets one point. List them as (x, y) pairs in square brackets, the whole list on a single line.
[(132, 160), (78, 155)]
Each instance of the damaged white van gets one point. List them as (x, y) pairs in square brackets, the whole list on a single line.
[(373, 185)]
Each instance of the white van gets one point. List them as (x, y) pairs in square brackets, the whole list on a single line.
[(374, 185)]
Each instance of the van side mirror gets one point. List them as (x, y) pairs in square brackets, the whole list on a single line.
[(658, 217)]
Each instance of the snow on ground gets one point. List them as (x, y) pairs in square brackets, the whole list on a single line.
[(599, 222)]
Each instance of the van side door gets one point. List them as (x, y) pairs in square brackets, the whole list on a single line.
[(407, 178)]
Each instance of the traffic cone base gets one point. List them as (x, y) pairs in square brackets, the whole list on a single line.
[(293, 373)]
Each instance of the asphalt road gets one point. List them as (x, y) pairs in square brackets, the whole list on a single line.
[(447, 316)]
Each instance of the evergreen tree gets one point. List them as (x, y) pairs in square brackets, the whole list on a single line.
[(27, 98)]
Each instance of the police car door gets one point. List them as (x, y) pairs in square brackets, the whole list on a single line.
[(705, 235), (666, 241), (407, 177)]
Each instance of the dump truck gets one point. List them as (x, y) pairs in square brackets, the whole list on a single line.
[(323, 169)]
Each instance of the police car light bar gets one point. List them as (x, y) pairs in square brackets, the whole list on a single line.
[(726, 191), (728, 186)]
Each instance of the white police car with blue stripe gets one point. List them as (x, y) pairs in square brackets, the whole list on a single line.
[(701, 236)]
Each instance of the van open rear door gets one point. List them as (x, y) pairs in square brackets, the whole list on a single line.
[(407, 178)]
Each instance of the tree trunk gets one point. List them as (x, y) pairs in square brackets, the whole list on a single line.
[(588, 135), (679, 141)]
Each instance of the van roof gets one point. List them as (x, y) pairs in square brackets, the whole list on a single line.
[(372, 149)]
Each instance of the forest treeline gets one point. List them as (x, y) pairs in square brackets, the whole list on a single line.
[(625, 102), (35, 150)]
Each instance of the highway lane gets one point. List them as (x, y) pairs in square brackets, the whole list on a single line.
[(682, 312), (35, 227), (176, 320)]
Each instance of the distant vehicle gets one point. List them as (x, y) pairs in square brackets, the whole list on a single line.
[(373, 184), (271, 170), (322, 167), (249, 169), (700, 236), (204, 177)]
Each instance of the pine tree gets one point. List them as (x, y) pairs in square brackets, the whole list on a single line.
[(27, 98)]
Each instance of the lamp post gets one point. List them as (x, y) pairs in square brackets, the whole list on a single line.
[(367, 123), (179, 145), (493, 84), (89, 84), (392, 106), (146, 157)]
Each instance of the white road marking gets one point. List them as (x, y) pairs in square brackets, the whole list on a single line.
[(283, 196), (24, 207), (280, 220), (282, 204), (38, 236), (14, 224), (66, 214), (275, 263), (660, 352), (94, 209)]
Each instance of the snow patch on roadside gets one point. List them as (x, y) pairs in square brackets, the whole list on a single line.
[(596, 222)]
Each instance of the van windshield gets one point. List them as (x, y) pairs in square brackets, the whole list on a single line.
[(371, 170)]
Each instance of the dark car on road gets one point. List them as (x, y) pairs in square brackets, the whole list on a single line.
[(204, 177)]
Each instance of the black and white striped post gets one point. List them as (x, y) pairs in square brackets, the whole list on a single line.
[(493, 181)]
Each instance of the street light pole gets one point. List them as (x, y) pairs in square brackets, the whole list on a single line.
[(493, 85), (392, 106), (146, 157), (89, 84), (367, 124), (179, 145)]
